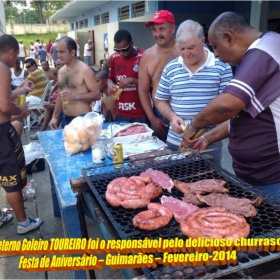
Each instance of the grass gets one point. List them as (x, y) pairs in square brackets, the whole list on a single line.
[(33, 37)]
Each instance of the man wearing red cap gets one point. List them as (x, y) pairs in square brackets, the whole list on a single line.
[(152, 63)]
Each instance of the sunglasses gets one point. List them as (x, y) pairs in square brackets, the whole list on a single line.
[(124, 49), (27, 67)]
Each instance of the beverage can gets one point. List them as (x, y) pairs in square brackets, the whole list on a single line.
[(21, 99), (117, 153)]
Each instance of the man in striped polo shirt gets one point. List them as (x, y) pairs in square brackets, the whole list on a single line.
[(37, 76), (248, 108), (189, 82)]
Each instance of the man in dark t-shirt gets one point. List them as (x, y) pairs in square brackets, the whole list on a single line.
[(249, 105)]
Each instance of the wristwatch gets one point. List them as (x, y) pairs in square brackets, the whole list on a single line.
[(191, 128)]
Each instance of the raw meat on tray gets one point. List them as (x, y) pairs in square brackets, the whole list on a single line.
[(179, 208), (135, 129), (159, 177)]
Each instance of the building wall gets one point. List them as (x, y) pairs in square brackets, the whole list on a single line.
[(202, 11), (2, 18)]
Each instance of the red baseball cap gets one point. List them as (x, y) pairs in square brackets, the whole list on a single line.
[(161, 17)]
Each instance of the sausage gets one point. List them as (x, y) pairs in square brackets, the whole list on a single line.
[(135, 203), (132, 193), (156, 217), (112, 198), (215, 222), (144, 179)]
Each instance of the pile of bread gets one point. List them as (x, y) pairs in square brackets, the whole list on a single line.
[(82, 132)]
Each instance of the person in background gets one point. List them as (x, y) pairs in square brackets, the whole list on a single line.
[(43, 44), (78, 49), (50, 72), (12, 161), (87, 52), (54, 52), (151, 66), (37, 76), (49, 55), (124, 74), (36, 45), (77, 85), (102, 61), (189, 82), (22, 53), (32, 53), (18, 74), (108, 103), (248, 108), (42, 54), (32, 46), (49, 107)]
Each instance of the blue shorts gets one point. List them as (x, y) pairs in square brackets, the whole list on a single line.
[(67, 119)]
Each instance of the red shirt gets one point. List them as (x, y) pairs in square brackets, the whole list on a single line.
[(48, 47), (129, 104)]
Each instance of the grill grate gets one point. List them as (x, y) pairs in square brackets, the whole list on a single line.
[(188, 169)]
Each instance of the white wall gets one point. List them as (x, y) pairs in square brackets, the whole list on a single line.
[(2, 18)]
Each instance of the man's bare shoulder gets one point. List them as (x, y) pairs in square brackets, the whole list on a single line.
[(150, 52)]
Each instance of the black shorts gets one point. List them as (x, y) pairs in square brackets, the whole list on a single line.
[(12, 160)]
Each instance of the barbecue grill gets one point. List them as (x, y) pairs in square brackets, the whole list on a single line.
[(189, 169)]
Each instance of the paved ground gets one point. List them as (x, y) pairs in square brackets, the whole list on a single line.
[(52, 227)]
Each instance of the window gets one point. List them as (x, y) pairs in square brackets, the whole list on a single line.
[(97, 20), (86, 22), (77, 25), (124, 13), (72, 26), (81, 24), (138, 9), (105, 18)]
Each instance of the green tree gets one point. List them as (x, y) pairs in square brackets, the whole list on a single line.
[(41, 8), (11, 12)]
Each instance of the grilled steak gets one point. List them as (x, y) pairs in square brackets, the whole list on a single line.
[(159, 177), (203, 186), (193, 199), (242, 206), (179, 208)]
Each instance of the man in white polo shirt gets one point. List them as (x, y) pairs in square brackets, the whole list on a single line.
[(189, 82), (87, 52)]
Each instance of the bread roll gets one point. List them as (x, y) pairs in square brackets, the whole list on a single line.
[(83, 134), (77, 122), (71, 135), (72, 148)]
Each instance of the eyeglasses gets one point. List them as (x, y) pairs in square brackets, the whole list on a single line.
[(124, 49), (27, 67)]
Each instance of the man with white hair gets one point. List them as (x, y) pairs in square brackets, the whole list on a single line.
[(87, 52), (189, 82)]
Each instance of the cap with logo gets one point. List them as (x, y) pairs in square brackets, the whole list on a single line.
[(161, 17)]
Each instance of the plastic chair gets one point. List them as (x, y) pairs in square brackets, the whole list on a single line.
[(39, 107)]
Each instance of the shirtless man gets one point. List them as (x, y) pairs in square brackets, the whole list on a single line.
[(12, 162), (76, 83), (50, 72), (152, 64)]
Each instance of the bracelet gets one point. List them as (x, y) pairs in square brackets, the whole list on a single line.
[(204, 139), (191, 128)]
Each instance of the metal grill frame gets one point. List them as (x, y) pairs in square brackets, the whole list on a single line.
[(106, 173)]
